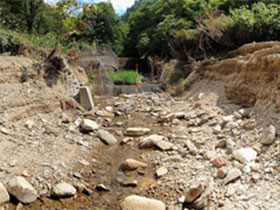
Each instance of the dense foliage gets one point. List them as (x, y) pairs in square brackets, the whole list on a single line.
[(185, 29), (195, 29), (70, 23), (128, 77)]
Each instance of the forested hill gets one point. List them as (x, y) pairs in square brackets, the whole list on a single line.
[(184, 29), (198, 28)]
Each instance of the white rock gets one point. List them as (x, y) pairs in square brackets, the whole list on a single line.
[(89, 125), (4, 196), (64, 190), (164, 145), (106, 137), (137, 131), (134, 202), (131, 164), (150, 141), (29, 124), (245, 155), (268, 135), (22, 190), (161, 171), (192, 148), (229, 118), (217, 129), (232, 175)]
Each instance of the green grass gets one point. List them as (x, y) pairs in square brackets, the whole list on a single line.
[(126, 77)]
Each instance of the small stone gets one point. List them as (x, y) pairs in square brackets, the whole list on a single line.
[(161, 171), (29, 124), (221, 173), (102, 187), (182, 199), (243, 112), (137, 131), (135, 202), (149, 141), (229, 118), (5, 131), (4, 196), (217, 129), (232, 175), (25, 173), (106, 137), (22, 190), (131, 164), (255, 178), (164, 145), (84, 162), (245, 155), (221, 144), (237, 115), (62, 190), (130, 182), (89, 125), (103, 113), (194, 192), (220, 161), (209, 155), (268, 135), (192, 148)]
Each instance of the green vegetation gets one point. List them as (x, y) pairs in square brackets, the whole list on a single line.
[(196, 29), (185, 29), (91, 77), (127, 77)]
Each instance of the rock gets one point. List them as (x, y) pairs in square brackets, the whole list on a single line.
[(268, 135), (208, 155), (5, 131), (221, 144), (161, 171), (102, 187), (194, 192), (131, 164), (179, 115), (232, 175), (220, 161), (137, 131), (29, 124), (103, 113), (135, 202), (86, 98), (229, 118), (62, 190), (221, 173), (149, 142), (243, 112), (237, 115), (130, 182), (89, 125), (245, 155), (217, 129), (106, 137), (164, 145), (22, 190), (4, 196), (203, 201), (191, 147)]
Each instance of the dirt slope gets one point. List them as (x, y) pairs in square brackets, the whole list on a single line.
[(249, 78)]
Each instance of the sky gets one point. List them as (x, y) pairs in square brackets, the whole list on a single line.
[(120, 6)]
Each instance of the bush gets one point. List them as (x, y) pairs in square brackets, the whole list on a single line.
[(127, 77)]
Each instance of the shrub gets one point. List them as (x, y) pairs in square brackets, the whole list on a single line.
[(127, 77)]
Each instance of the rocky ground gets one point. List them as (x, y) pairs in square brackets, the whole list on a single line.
[(133, 152), (183, 153)]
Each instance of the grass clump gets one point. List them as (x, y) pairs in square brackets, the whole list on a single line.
[(127, 77)]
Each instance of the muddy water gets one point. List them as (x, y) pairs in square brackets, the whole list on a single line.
[(106, 170)]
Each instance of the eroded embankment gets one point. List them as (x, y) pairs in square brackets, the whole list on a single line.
[(250, 78)]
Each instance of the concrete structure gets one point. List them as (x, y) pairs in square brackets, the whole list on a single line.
[(86, 98)]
